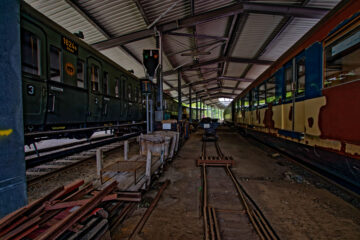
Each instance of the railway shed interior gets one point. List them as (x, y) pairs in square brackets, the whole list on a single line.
[(248, 128)]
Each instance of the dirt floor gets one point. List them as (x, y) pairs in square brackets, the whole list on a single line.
[(297, 204)]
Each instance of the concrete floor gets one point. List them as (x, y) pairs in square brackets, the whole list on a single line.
[(295, 204)]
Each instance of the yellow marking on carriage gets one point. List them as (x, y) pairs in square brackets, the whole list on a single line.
[(58, 128), (6, 132)]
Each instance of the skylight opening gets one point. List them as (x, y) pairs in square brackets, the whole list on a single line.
[(225, 101)]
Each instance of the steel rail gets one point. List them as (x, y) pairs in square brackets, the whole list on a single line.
[(144, 218), (205, 195), (79, 130), (30, 163), (247, 208), (257, 220), (57, 147)]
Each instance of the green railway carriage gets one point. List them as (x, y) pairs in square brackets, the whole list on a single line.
[(68, 84)]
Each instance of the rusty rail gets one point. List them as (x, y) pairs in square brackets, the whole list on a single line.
[(148, 212), (211, 228)]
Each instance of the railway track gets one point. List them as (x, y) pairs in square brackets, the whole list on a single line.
[(53, 162), (228, 211)]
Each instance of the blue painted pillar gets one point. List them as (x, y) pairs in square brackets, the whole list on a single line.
[(12, 164)]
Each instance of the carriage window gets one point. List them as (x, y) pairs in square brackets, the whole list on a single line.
[(94, 78), (80, 74), (262, 95), (106, 83), (55, 64), (288, 82), (117, 82), (30, 49), (342, 59), (300, 81), (270, 90), (129, 92)]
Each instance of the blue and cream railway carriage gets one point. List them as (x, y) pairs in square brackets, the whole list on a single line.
[(307, 102)]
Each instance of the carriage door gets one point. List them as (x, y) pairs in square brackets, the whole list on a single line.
[(95, 96), (33, 61), (299, 89)]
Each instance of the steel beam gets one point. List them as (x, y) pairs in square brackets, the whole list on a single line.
[(219, 60), (12, 163), (192, 49), (220, 78), (273, 9), (235, 79), (197, 36), (285, 10), (141, 10), (215, 89)]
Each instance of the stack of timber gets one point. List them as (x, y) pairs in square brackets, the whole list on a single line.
[(76, 211), (135, 173)]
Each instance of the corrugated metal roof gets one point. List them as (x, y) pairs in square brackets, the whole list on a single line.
[(202, 6), (120, 17), (123, 59), (294, 31), (154, 8), (255, 71), (62, 13), (257, 29), (323, 3), (235, 69)]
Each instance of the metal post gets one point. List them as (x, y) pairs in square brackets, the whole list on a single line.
[(147, 114), (151, 113), (148, 167), (12, 164), (197, 110), (179, 97), (190, 110), (126, 149), (159, 114), (99, 162)]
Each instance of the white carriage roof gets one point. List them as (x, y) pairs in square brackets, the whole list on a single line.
[(219, 46)]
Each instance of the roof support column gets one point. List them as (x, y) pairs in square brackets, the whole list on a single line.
[(159, 115), (190, 109), (12, 164), (197, 109), (179, 97)]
